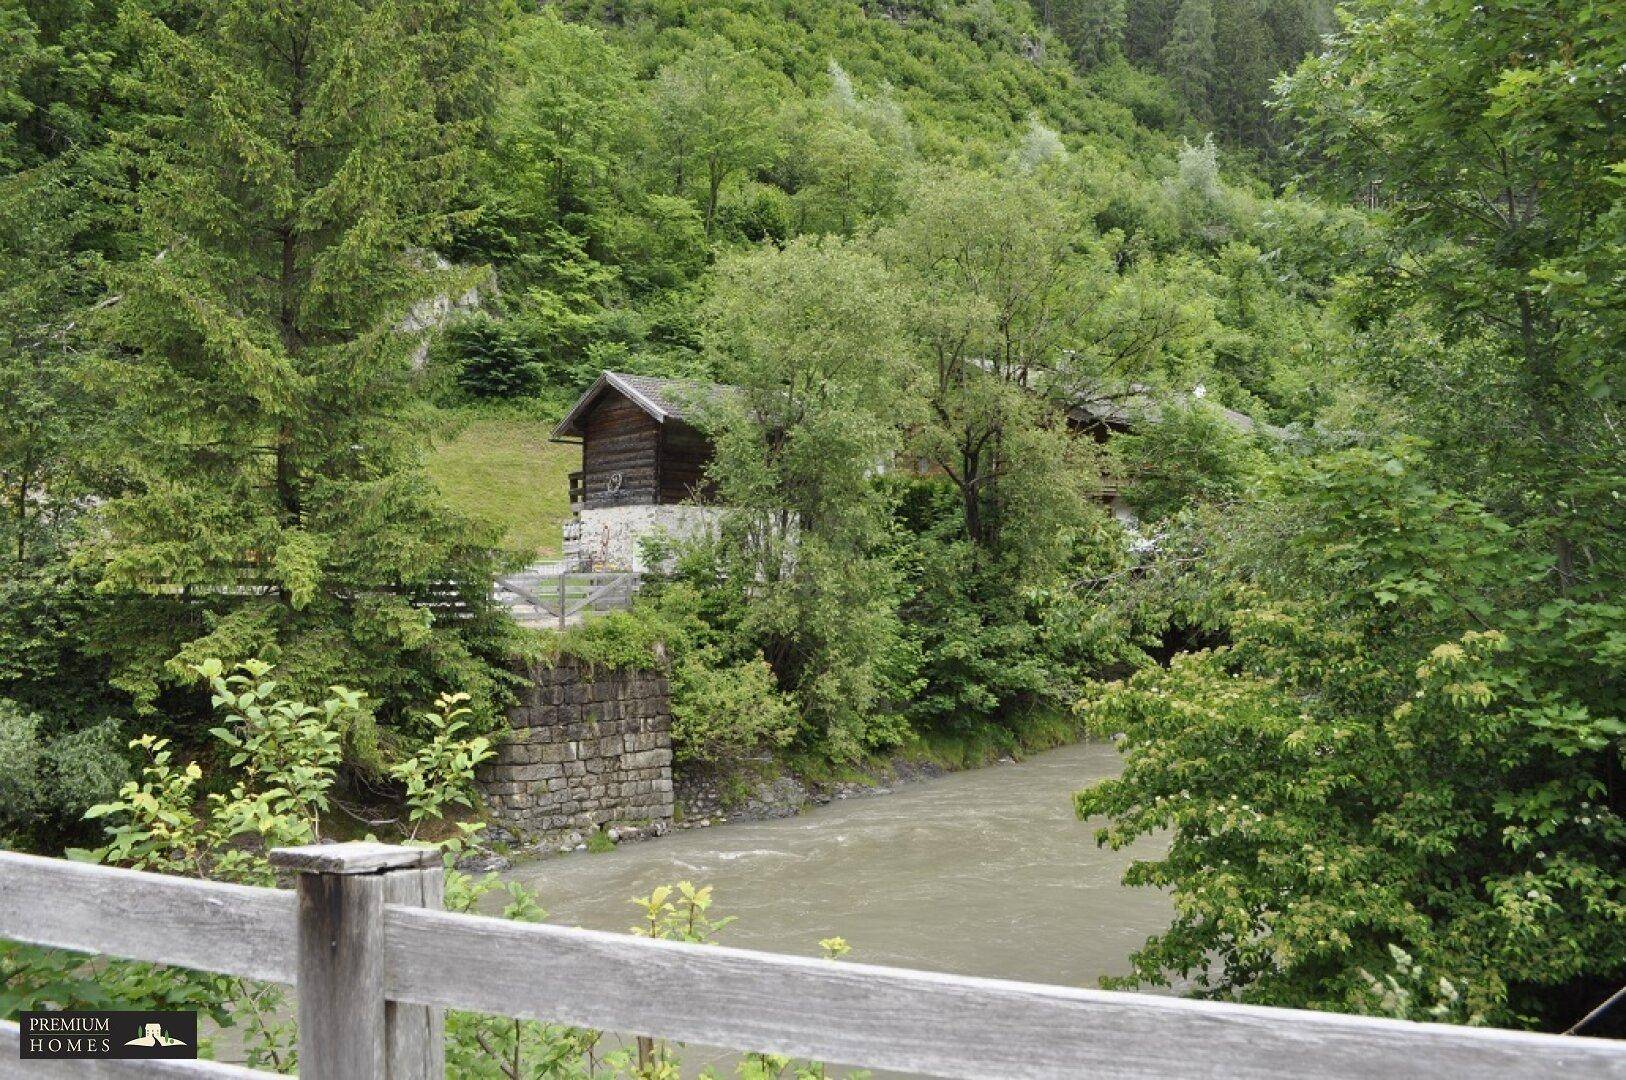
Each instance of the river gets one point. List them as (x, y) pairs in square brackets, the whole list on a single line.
[(986, 872)]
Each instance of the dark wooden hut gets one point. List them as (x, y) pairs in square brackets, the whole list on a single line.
[(640, 444)]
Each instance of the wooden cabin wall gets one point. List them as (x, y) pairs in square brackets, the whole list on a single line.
[(684, 455), (618, 436)]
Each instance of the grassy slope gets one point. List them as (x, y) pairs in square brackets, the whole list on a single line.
[(502, 468)]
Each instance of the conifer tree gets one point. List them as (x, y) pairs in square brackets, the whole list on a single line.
[(1146, 29), (1092, 29), (65, 91), (306, 160), (1242, 82), (1188, 56)]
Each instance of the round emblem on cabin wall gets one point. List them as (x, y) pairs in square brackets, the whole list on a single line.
[(613, 484)]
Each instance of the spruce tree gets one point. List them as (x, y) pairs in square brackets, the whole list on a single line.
[(1242, 83), (1092, 29), (65, 96), (1188, 56), (1147, 25), (305, 161)]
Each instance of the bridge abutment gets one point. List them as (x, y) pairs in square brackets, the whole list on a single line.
[(588, 748)]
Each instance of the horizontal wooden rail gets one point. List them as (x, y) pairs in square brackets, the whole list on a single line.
[(82, 1069), (843, 1013), (916, 1021), (207, 925)]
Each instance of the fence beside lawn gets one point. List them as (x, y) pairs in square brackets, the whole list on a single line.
[(558, 599)]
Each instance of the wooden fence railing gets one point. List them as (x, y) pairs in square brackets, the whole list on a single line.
[(560, 599), (374, 963)]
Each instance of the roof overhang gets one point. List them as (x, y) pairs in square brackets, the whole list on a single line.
[(571, 426)]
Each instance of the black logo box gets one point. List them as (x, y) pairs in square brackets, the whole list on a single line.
[(107, 1034)]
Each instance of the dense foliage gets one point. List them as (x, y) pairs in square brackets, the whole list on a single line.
[(1361, 635), (1398, 787), (1411, 741), (208, 374)]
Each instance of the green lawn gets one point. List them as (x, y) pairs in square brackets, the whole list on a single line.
[(504, 470)]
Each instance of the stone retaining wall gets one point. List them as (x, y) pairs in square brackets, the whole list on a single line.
[(587, 749)]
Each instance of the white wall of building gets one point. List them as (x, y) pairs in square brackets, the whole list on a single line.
[(611, 536)]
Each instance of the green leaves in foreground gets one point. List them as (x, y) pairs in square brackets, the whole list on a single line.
[(1424, 766)]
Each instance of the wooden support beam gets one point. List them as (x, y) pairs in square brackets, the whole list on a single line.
[(343, 1021)]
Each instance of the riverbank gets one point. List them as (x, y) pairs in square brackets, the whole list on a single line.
[(761, 791), (768, 788)]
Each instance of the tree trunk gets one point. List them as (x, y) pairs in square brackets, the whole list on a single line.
[(22, 505), (1540, 378), (714, 187)]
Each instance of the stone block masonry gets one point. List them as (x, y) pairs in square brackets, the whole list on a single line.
[(586, 749)]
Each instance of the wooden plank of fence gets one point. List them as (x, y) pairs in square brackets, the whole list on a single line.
[(941, 1025), (208, 925), (913, 1021), (98, 1069)]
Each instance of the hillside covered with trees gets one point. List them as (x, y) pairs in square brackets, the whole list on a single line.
[(1362, 650)]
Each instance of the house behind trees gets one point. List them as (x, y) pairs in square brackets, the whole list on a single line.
[(643, 467), (645, 454)]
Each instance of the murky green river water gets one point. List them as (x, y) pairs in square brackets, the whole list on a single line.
[(980, 873)]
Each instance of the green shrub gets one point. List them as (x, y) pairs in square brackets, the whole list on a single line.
[(19, 766), (79, 769), (721, 713), (1147, 97), (1192, 455), (621, 640), (47, 782), (440, 775), (724, 704), (491, 359)]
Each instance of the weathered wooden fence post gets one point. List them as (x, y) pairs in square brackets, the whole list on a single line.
[(345, 1030)]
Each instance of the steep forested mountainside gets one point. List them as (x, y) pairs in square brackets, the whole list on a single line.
[(965, 73), (637, 144), (204, 245)]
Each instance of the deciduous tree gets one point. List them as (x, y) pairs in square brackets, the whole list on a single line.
[(813, 336), (713, 120), (1488, 136), (1408, 744)]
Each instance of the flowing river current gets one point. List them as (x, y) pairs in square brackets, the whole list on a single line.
[(986, 872)]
